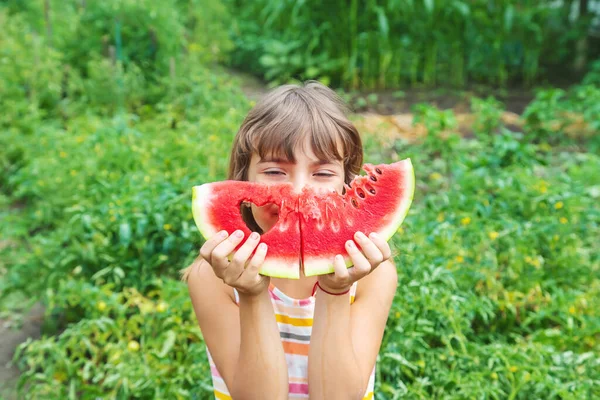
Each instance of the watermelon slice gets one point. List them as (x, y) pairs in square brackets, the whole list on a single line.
[(312, 227)]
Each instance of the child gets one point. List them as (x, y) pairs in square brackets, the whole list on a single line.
[(258, 329)]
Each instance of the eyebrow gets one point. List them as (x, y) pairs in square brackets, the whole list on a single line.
[(285, 161)]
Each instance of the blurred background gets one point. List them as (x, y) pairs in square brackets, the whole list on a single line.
[(112, 110)]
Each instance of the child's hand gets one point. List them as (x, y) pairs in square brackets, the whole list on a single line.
[(375, 251), (242, 271)]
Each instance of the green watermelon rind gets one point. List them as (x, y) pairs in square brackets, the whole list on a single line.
[(322, 267)]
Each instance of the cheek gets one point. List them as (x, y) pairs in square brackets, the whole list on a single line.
[(335, 184)]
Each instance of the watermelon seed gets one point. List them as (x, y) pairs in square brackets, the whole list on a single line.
[(361, 194), (372, 190), (378, 171), (373, 178), (354, 203)]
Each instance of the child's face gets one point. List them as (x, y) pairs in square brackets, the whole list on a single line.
[(308, 170)]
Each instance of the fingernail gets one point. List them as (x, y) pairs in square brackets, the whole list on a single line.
[(262, 246), (350, 244), (254, 235), (338, 258), (360, 235), (223, 234), (239, 234), (373, 235)]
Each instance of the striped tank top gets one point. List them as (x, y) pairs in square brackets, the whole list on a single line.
[(294, 319)]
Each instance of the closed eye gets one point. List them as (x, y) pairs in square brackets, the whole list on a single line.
[(325, 174), (273, 173)]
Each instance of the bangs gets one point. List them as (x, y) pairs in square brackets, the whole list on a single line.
[(291, 117), (298, 119)]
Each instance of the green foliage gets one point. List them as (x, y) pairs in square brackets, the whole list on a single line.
[(366, 44), (118, 345), (498, 264)]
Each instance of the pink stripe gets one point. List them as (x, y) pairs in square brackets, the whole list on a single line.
[(305, 302), (300, 388), (214, 371), (274, 296)]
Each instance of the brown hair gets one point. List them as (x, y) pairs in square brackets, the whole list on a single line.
[(282, 119), (280, 122)]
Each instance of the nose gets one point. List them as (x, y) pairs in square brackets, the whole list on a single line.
[(300, 181)]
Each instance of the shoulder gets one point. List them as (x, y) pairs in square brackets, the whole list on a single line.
[(202, 281)]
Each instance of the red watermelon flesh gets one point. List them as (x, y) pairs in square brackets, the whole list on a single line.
[(377, 203), (312, 227), (217, 206)]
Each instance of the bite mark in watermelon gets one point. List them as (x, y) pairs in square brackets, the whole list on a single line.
[(312, 227)]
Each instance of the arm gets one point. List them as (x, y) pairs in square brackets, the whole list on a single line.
[(345, 339), (243, 341)]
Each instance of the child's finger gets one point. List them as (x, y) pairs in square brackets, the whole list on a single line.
[(257, 260), (362, 266), (339, 269), (208, 247), (371, 251), (382, 245), (243, 253), (223, 249)]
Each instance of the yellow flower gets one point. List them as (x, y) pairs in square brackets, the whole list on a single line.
[(397, 315), (73, 172), (513, 369), (572, 310), (63, 154), (440, 217), (133, 346), (113, 218), (527, 376), (421, 363), (101, 306), (493, 235), (435, 176), (563, 220), (79, 139), (559, 205), (162, 307), (459, 259), (494, 376), (146, 179), (465, 221), (212, 138), (167, 227), (555, 238)]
